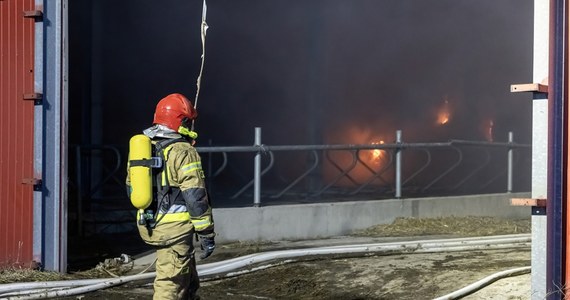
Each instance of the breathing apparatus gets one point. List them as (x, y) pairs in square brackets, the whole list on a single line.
[(174, 118)]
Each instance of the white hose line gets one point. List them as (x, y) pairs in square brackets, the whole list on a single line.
[(31, 291), (407, 247), (224, 267), (11, 287), (106, 283), (483, 283)]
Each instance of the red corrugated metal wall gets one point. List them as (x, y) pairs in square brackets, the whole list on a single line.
[(16, 132)]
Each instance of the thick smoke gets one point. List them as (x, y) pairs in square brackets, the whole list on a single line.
[(311, 72), (315, 72)]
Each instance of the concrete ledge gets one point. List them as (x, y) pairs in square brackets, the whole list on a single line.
[(321, 220)]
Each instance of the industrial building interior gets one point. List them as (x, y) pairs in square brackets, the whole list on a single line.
[(324, 72), (319, 118)]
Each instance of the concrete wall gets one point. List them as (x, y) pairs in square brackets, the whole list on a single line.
[(309, 221)]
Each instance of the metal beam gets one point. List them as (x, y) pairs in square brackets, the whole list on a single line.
[(539, 150), (555, 208), (54, 138)]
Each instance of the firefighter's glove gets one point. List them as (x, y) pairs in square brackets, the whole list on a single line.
[(207, 244)]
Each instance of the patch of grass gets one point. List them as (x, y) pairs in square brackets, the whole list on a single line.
[(460, 226), (10, 275)]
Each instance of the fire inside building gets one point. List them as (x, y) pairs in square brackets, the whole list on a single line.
[(313, 102)]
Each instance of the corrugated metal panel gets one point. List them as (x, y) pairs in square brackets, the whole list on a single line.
[(16, 132)]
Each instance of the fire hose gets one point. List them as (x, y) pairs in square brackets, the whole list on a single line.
[(254, 262), (483, 283)]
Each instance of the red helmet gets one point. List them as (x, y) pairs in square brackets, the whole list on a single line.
[(172, 110)]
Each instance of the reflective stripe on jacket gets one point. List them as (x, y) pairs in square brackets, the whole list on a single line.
[(182, 171)]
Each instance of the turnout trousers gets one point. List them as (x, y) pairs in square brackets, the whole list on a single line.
[(176, 275)]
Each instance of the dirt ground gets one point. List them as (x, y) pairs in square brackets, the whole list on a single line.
[(408, 276), (412, 276), (398, 276)]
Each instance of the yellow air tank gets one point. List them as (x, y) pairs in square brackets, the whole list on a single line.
[(140, 151)]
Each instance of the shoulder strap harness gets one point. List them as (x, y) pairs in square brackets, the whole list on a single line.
[(165, 194)]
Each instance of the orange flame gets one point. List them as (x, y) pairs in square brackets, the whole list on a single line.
[(369, 161), (377, 155), (444, 113)]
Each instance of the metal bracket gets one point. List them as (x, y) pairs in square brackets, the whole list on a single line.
[(37, 14), (36, 182), (528, 202), (538, 206), (538, 211), (529, 87), (36, 97)]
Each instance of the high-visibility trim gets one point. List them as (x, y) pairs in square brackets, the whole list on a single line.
[(202, 223), (166, 170), (176, 208), (191, 167), (175, 217)]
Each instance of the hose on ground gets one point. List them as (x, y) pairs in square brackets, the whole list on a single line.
[(483, 283), (250, 263)]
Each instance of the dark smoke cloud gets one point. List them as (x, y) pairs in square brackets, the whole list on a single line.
[(307, 72)]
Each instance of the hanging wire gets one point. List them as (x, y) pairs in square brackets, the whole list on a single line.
[(203, 29)]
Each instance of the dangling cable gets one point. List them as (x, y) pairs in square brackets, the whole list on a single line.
[(203, 29)]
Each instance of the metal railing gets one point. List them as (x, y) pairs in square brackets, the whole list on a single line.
[(469, 162), (279, 174)]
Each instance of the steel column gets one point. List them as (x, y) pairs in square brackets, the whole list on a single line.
[(38, 137), (510, 165), (398, 179), (257, 169), (539, 149), (55, 136), (556, 150)]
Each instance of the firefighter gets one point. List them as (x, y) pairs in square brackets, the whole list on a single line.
[(179, 197)]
